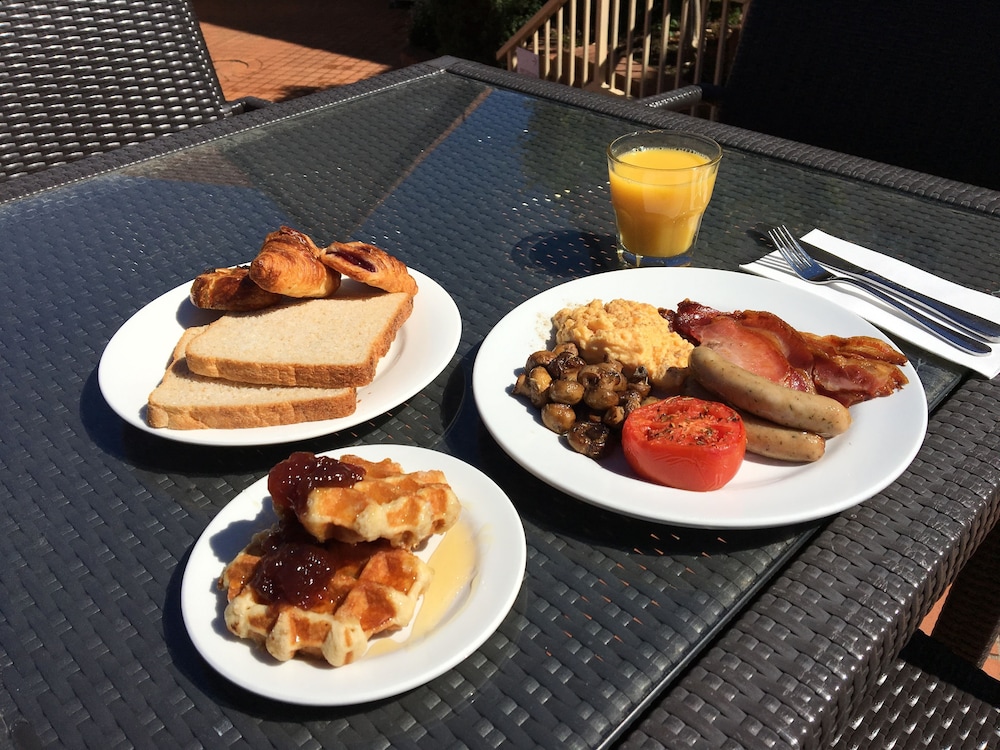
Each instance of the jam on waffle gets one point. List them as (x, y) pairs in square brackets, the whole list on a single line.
[(297, 593), (383, 502)]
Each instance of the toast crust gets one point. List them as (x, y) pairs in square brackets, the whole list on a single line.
[(186, 401)]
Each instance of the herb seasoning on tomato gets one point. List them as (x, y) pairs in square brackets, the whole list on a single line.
[(685, 442)]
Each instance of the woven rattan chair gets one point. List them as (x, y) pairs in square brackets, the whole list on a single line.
[(930, 699), (934, 696), (79, 77), (913, 84)]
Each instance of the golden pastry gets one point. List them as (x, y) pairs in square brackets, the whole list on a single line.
[(288, 263), (231, 290), (370, 265)]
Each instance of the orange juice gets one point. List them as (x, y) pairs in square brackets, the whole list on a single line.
[(659, 196)]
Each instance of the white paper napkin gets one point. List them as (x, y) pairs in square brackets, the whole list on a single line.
[(873, 310)]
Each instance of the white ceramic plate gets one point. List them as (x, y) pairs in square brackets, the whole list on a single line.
[(134, 360), (479, 608), (884, 436)]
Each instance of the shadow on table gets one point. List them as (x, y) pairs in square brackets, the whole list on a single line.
[(569, 254), (555, 512), (153, 453)]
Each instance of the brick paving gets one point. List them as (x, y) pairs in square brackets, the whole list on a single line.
[(280, 50)]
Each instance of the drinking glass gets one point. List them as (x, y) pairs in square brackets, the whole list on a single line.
[(661, 182)]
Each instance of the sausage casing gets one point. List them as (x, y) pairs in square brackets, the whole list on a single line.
[(756, 394), (765, 438)]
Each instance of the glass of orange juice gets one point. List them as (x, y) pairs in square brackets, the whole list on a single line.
[(661, 182)]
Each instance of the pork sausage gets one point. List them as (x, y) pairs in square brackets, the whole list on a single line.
[(765, 438), (758, 395)]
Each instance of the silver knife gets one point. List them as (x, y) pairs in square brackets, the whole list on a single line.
[(969, 321)]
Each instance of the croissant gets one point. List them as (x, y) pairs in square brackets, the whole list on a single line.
[(370, 265), (288, 263), (230, 289)]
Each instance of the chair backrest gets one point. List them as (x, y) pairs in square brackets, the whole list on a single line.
[(84, 76), (914, 83)]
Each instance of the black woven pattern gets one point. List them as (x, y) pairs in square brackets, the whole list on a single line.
[(86, 76), (497, 195), (929, 699), (969, 622)]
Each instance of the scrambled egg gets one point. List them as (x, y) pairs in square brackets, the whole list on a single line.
[(634, 333)]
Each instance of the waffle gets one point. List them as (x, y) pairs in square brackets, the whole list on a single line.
[(325, 600), (404, 509), (337, 568)]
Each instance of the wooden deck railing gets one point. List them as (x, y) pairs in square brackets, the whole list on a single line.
[(631, 48)]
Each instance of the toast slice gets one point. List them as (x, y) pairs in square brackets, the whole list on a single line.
[(335, 342), (186, 401)]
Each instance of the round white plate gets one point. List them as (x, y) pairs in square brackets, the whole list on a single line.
[(137, 355), (884, 436), (477, 611)]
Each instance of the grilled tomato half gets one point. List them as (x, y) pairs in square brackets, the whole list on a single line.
[(685, 442)]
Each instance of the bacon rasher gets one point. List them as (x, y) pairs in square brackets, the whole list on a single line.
[(850, 370), (855, 369)]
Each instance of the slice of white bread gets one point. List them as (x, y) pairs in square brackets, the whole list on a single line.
[(335, 342), (185, 401)]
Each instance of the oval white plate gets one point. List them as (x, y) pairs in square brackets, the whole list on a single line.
[(885, 435), (500, 554), (136, 356)]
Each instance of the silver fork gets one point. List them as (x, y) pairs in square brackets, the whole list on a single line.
[(806, 267)]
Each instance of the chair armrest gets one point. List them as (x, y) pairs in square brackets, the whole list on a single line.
[(246, 104), (677, 99), (969, 621), (928, 698)]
